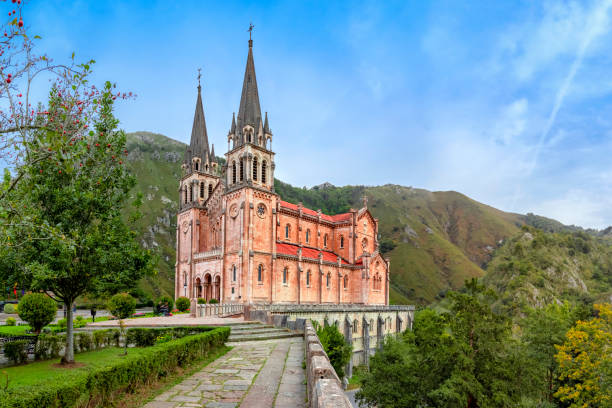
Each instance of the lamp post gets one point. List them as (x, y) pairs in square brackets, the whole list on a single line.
[(185, 288)]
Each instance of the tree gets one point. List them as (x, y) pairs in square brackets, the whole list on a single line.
[(122, 306), (463, 358), (76, 241), (337, 349), (38, 310), (585, 362), (543, 330)]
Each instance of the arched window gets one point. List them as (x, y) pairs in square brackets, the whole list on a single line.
[(191, 192), (287, 229), (233, 172), (345, 281), (328, 279), (285, 273), (248, 136), (255, 168), (260, 273), (307, 235), (207, 167), (234, 273), (355, 326), (364, 243), (202, 190), (210, 189), (185, 196), (241, 169), (325, 241), (341, 241), (264, 167), (197, 166), (308, 278)]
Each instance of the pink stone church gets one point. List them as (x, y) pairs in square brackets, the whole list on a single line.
[(239, 242)]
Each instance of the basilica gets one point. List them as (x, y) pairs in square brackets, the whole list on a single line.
[(239, 242)]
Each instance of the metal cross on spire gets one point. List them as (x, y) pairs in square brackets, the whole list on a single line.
[(250, 30), (199, 75)]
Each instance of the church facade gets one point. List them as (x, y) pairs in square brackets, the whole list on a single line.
[(239, 242)]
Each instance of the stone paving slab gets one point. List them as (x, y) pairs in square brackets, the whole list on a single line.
[(260, 374)]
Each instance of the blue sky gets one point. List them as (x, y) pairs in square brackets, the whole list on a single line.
[(508, 102)]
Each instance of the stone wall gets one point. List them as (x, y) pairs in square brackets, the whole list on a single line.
[(363, 326), (324, 387)]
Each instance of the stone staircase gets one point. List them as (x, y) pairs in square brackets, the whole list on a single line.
[(254, 331)]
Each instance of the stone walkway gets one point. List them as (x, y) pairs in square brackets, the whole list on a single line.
[(176, 320), (255, 374)]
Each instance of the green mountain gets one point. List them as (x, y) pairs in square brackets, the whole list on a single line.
[(435, 240)]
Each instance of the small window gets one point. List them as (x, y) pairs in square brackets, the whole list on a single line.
[(191, 192), (287, 228), (328, 279), (307, 236), (308, 278), (232, 291), (341, 242), (345, 281), (325, 241), (234, 172), (202, 190), (355, 326), (285, 273), (197, 166), (249, 137), (260, 273), (264, 167), (210, 188), (255, 168), (185, 196), (234, 273), (241, 169)]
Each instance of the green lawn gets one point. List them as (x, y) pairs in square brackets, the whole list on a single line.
[(41, 372)]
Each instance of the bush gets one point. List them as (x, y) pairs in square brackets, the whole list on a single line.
[(145, 337), (102, 384), (168, 300), (201, 301), (85, 341), (16, 351), (10, 308), (38, 310), (122, 305), (79, 320), (213, 301), (62, 323), (338, 350), (11, 321), (48, 346), (182, 304), (142, 337)]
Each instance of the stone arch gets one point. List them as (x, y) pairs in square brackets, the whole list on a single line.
[(217, 288), (207, 286), (198, 285)]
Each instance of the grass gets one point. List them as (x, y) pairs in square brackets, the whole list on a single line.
[(42, 372), (358, 373)]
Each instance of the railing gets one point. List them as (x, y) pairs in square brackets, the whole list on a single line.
[(220, 309), (305, 308), (208, 254)]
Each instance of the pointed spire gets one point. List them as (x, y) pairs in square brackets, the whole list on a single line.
[(266, 125), (198, 147), (249, 112), (213, 158), (233, 129)]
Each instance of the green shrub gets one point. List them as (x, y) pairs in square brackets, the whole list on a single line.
[(38, 310), (16, 351), (182, 304), (10, 308), (62, 323), (122, 305), (102, 384), (48, 346), (79, 319), (337, 349), (168, 300), (84, 341), (142, 337), (201, 301), (11, 321), (213, 301)]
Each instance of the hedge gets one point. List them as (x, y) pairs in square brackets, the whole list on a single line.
[(146, 337), (16, 351), (101, 384)]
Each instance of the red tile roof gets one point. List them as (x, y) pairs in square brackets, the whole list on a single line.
[(332, 218), (312, 253)]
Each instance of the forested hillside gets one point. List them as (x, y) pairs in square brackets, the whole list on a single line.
[(436, 240)]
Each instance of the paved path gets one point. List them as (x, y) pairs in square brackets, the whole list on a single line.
[(255, 374)]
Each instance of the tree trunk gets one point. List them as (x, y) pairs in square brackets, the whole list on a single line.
[(69, 350)]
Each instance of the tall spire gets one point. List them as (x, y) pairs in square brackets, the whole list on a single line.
[(249, 112), (198, 147)]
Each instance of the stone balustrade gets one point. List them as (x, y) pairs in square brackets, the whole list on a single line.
[(324, 387), (208, 254), (219, 309)]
